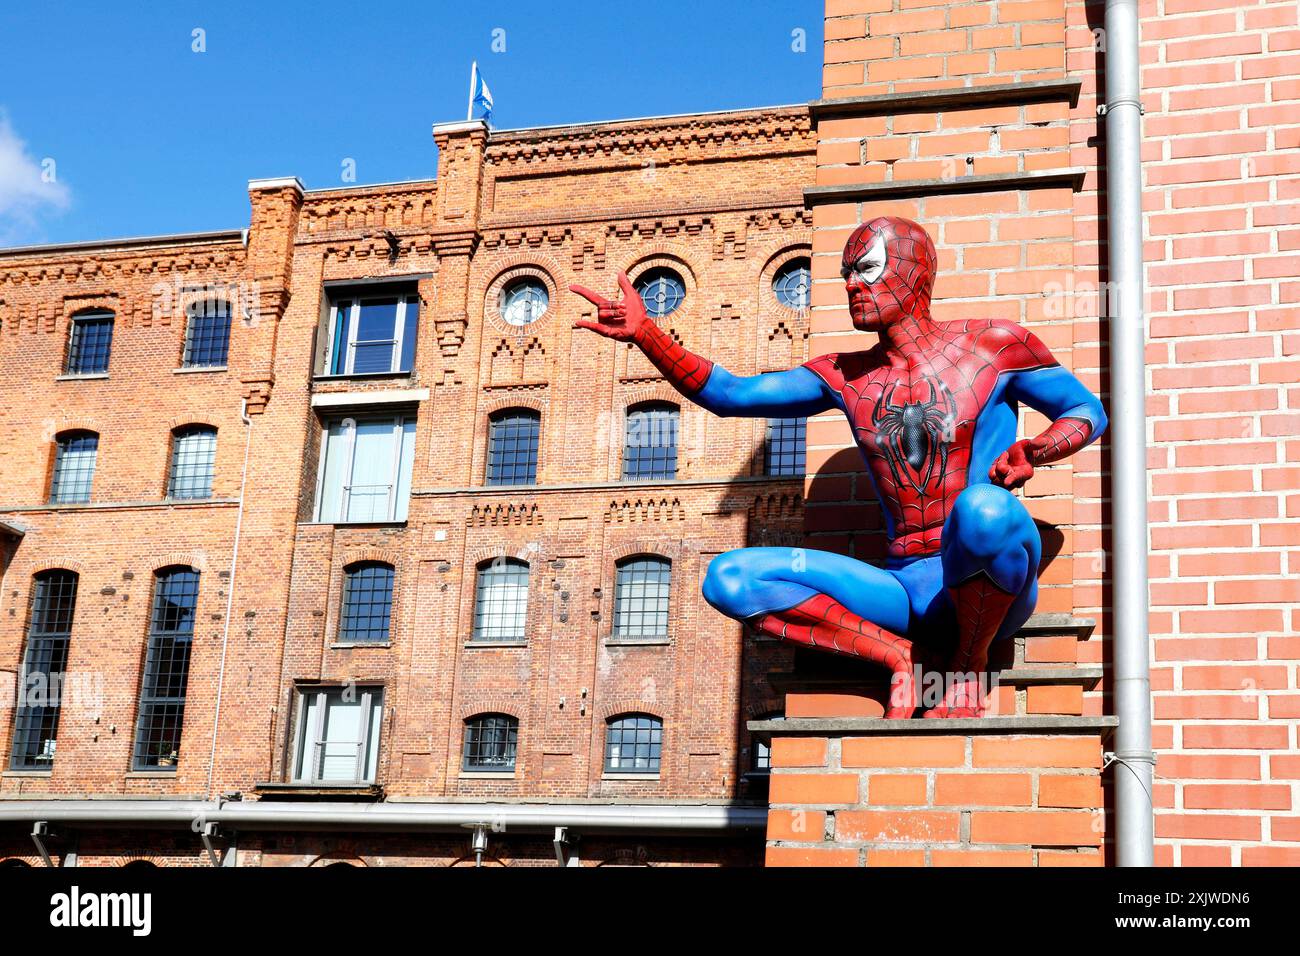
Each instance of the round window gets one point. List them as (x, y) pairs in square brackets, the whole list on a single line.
[(792, 284), (662, 291), (524, 301)]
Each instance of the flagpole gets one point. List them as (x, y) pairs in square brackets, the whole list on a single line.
[(473, 79)]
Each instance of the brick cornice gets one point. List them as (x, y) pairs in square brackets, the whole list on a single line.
[(981, 183), (925, 100)]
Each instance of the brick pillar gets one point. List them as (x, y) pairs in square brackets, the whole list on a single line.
[(1019, 788), (273, 224), (461, 148), (1002, 791)]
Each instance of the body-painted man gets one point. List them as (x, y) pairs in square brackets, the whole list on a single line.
[(933, 407)]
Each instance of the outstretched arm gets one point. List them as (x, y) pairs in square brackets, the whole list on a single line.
[(1077, 420), (795, 393)]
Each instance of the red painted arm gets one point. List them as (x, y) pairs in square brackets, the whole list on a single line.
[(626, 321), (1059, 440)]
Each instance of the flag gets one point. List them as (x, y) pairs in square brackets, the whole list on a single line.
[(480, 97)]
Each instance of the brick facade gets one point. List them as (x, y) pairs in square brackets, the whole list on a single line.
[(717, 196)]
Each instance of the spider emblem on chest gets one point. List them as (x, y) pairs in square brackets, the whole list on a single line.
[(914, 437)]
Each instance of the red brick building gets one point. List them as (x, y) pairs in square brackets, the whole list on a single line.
[(350, 549)]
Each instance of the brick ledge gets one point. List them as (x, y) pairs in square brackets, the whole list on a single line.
[(849, 726)]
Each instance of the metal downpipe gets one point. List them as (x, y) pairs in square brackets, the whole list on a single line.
[(1132, 761)]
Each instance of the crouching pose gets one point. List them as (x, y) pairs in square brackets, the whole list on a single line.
[(933, 408)]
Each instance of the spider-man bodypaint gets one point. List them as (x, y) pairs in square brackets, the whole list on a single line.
[(933, 407)]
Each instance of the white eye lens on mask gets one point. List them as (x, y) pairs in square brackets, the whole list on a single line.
[(872, 264)]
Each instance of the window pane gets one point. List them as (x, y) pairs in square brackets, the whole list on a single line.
[(194, 452), (641, 598), (370, 488), (366, 475), (793, 283), (45, 660), (662, 291), (650, 445), (372, 747), (633, 744), (367, 604), (207, 338), (410, 332), (74, 467), (784, 448), (341, 337), (166, 670), (501, 602), (341, 741), (490, 742), (89, 344), (762, 754), (404, 467), (375, 336), (524, 302), (512, 448), (306, 762)]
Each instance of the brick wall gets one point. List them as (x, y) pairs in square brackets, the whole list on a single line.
[(1220, 164), (1222, 202)]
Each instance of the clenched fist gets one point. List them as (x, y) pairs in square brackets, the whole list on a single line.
[(1015, 465)]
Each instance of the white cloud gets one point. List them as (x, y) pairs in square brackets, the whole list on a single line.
[(29, 188)]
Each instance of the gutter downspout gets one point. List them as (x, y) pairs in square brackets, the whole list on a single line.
[(1133, 758), (230, 595)]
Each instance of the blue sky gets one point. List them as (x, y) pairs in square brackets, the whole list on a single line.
[(112, 125)]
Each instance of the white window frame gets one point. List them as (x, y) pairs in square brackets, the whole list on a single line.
[(305, 736), (349, 422), (352, 301)]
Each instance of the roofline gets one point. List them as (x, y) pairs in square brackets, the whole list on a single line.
[(176, 238), (396, 182), (638, 119)]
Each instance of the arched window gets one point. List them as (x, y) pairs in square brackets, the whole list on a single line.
[(501, 600), (792, 284), (662, 290), (633, 743), (641, 588), (512, 447), (207, 334), (785, 446), (40, 685), (194, 455), (524, 301), (490, 742), (166, 670), (367, 603), (90, 341), (650, 442), (75, 454)]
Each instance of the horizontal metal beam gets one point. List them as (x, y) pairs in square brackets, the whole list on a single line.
[(391, 816)]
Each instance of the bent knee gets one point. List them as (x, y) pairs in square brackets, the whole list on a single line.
[(725, 583), (985, 518)]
